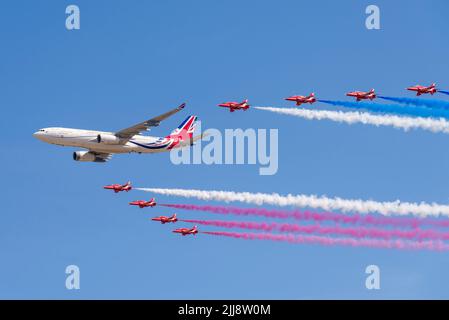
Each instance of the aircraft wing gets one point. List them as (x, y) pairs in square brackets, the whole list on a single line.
[(128, 133)]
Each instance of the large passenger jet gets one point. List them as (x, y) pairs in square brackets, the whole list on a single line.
[(101, 145)]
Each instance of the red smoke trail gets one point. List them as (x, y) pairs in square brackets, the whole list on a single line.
[(384, 244), (317, 216), (356, 232)]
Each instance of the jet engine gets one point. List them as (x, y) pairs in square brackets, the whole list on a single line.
[(108, 139), (86, 156)]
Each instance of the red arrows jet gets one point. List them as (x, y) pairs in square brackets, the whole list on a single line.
[(119, 187), (235, 105), (423, 90), (302, 99), (164, 219), (186, 231), (360, 95), (143, 203)]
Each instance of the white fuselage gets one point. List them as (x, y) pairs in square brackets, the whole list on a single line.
[(88, 139)]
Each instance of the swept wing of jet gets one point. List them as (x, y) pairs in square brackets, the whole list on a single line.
[(130, 132)]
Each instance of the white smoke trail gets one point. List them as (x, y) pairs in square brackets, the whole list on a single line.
[(397, 207), (405, 123)]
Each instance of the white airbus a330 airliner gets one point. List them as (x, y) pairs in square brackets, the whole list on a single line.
[(101, 145)]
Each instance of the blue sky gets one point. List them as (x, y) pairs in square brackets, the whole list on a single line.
[(132, 60)]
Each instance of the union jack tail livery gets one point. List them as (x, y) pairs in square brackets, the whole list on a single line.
[(183, 133)]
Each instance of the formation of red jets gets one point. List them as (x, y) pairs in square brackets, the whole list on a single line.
[(151, 203), (358, 95), (244, 105)]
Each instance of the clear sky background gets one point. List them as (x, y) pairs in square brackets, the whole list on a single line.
[(133, 60)]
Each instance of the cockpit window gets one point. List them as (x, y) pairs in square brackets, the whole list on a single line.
[(42, 130)]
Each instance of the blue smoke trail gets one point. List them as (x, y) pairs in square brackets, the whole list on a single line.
[(443, 91), (427, 103), (391, 108)]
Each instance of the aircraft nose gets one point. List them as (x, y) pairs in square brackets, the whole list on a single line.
[(40, 134), (37, 134)]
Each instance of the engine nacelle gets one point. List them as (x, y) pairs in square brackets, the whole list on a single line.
[(108, 139), (86, 156)]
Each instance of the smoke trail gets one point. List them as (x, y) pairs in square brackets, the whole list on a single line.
[(428, 103), (317, 216), (390, 108), (404, 123), (443, 91), (355, 232), (329, 204), (373, 243)]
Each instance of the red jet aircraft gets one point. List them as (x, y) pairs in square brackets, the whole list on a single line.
[(235, 105), (186, 231), (143, 203), (423, 90), (119, 187), (164, 219), (360, 95), (302, 99)]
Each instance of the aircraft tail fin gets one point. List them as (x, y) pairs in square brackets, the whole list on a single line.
[(185, 129)]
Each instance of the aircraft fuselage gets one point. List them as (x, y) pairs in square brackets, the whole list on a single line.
[(101, 141)]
